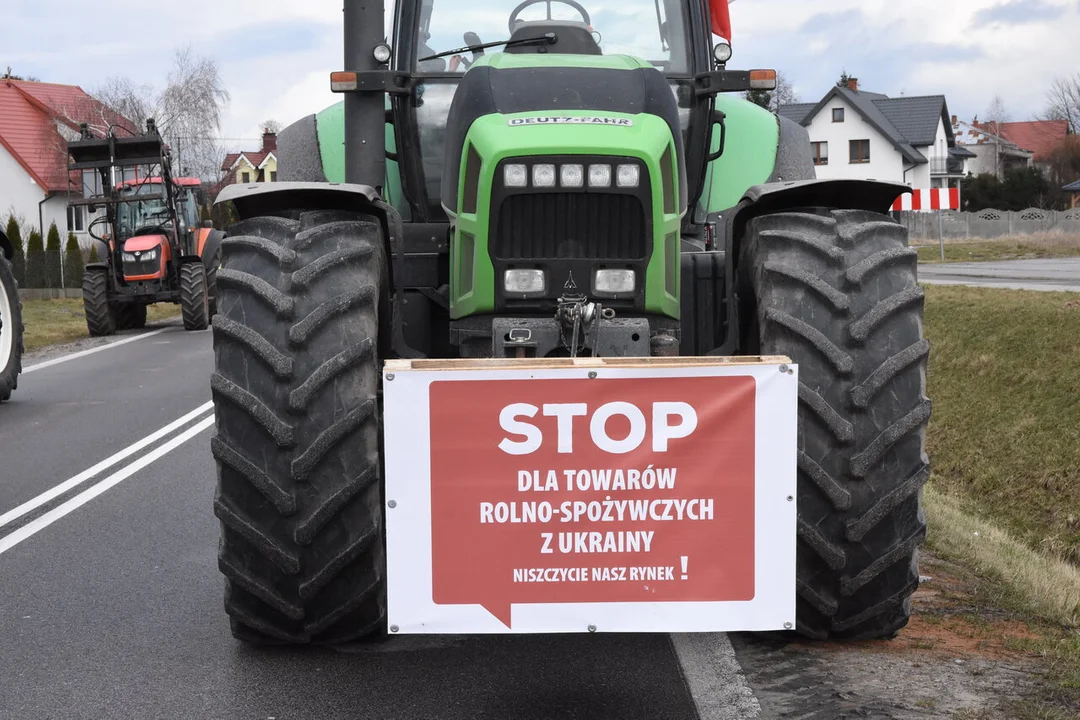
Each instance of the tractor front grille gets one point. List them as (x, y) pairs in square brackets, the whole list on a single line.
[(570, 225)]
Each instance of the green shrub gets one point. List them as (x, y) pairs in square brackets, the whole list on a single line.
[(35, 260), (73, 263), (93, 258), (18, 260), (53, 258)]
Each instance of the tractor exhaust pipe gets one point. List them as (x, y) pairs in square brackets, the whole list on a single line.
[(365, 112)]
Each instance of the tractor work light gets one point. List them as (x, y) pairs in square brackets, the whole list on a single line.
[(722, 52), (544, 176), (524, 282), (572, 176), (381, 53), (615, 282), (629, 175), (516, 176), (599, 176)]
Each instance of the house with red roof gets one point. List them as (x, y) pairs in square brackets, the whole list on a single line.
[(249, 167), (36, 121), (1003, 146)]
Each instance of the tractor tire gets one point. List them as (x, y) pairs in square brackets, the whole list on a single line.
[(130, 316), (211, 283), (11, 330), (296, 393), (100, 313), (194, 302), (836, 291)]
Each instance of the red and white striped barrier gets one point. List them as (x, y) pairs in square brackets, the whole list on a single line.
[(927, 200)]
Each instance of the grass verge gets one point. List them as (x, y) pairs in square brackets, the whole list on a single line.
[(52, 322), (1028, 247), (1004, 440), (1005, 432)]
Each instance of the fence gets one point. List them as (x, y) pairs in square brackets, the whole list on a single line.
[(989, 224)]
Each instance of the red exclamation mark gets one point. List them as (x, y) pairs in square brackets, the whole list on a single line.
[(684, 560)]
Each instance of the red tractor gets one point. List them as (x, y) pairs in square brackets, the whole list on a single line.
[(157, 248)]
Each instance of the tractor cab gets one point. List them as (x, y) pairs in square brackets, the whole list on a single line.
[(442, 43)]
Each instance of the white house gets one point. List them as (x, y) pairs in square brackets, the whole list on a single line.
[(36, 121), (861, 135)]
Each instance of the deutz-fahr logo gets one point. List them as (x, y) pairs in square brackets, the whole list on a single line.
[(570, 120)]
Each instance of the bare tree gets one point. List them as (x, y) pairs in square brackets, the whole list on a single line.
[(272, 126), (187, 110), (997, 114), (1063, 101)]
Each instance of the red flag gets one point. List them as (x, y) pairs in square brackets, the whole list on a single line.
[(721, 20)]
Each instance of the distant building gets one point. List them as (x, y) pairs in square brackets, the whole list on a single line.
[(1074, 193), (856, 134), (249, 167), (1004, 146), (36, 121)]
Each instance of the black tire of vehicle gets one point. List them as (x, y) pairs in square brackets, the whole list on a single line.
[(837, 292), (129, 316), (211, 283), (297, 446), (11, 360), (100, 312), (194, 304)]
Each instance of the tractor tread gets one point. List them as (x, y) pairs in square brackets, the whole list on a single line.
[(326, 312), (100, 313), (296, 386), (283, 500), (263, 349), (194, 297), (863, 409), (281, 431), (279, 301)]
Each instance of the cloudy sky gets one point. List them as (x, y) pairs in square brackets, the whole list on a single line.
[(276, 55)]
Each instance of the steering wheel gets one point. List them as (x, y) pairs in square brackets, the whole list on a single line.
[(529, 3)]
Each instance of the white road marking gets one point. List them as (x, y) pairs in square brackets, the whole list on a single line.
[(105, 464), (89, 494), (91, 351), (715, 679)]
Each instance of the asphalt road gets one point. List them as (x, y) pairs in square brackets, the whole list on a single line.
[(111, 601), (1061, 274)]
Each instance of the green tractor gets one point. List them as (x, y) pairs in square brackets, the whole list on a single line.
[(543, 180)]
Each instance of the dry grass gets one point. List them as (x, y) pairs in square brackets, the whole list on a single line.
[(52, 322), (1043, 585), (1026, 247)]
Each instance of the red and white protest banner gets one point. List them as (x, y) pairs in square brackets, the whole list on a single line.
[(561, 496), (928, 200)]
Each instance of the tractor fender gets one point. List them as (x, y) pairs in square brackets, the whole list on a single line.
[(267, 198), (794, 161), (101, 265), (6, 246), (871, 195)]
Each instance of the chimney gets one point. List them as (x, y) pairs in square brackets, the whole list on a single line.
[(853, 84), (269, 141)]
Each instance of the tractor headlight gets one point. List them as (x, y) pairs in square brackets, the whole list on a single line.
[(524, 282), (599, 176), (544, 176), (573, 176), (615, 282), (515, 176), (629, 175), (129, 257)]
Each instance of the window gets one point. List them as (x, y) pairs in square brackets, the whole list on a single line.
[(76, 218), (273, 176), (860, 151), (821, 152), (838, 115), (245, 177)]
